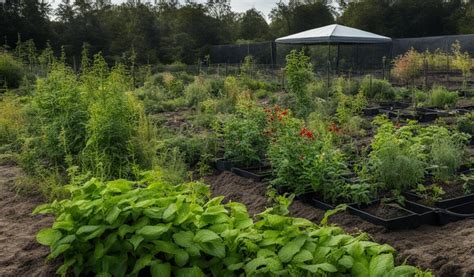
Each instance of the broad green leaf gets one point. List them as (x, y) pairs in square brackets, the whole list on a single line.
[(125, 229), (302, 256), (381, 265), (181, 257), (403, 271), (153, 232), (99, 251), (43, 209), (189, 272), (136, 240), (216, 248), (205, 235), (170, 211), (160, 270), (48, 236), (315, 268), (141, 263), (58, 250), (113, 215), (346, 261), (287, 252), (87, 229), (360, 268), (119, 185), (183, 238)]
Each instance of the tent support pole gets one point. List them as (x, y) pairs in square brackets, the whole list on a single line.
[(337, 61), (328, 66)]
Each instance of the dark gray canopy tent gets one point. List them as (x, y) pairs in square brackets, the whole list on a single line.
[(334, 35)]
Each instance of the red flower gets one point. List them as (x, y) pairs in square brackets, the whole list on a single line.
[(306, 133), (333, 128)]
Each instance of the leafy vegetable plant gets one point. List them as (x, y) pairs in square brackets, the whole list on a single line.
[(123, 228)]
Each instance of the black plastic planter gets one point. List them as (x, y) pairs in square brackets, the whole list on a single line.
[(371, 111), (255, 173), (428, 215), (443, 204), (224, 165), (457, 213), (409, 221)]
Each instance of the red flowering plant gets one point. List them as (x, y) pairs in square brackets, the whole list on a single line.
[(304, 161)]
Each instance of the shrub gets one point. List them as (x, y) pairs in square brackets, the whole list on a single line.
[(440, 97), (12, 119), (377, 89), (346, 86), (408, 66), (11, 71), (319, 90), (261, 94), (465, 124), (153, 228), (304, 161), (299, 73), (447, 157), (462, 61), (243, 135), (196, 92)]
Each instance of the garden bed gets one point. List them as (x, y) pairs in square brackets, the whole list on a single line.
[(425, 246)]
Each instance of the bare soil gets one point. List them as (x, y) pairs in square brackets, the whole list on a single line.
[(20, 254), (446, 250)]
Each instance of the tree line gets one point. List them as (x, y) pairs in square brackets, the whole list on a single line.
[(167, 31)]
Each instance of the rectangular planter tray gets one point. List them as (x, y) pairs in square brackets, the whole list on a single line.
[(410, 221), (443, 204), (457, 213), (247, 173), (224, 165)]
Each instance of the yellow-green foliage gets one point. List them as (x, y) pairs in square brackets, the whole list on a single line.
[(12, 119), (11, 71), (91, 122)]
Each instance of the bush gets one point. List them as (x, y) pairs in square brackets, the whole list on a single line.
[(243, 134), (261, 94), (153, 228), (447, 157), (91, 123), (12, 119), (377, 89), (11, 71), (319, 90), (346, 86), (465, 124), (299, 73), (304, 161), (440, 97), (196, 92), (408, 66)]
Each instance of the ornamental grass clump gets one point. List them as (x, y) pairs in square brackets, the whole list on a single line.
[(152, 228)]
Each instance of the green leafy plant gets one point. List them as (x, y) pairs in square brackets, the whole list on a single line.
[(467, 183), (151, 227), (440, 97), (243, 134), (430, 194), (299, 73), (377, 89), (11, 71), (304, 161), (465, 123)]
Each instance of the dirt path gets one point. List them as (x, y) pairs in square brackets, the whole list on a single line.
[(446, 250), (20, 254)]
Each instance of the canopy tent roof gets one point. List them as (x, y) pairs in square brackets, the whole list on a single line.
[(333, 34)]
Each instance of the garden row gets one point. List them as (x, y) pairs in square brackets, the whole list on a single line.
[(426, 169)]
